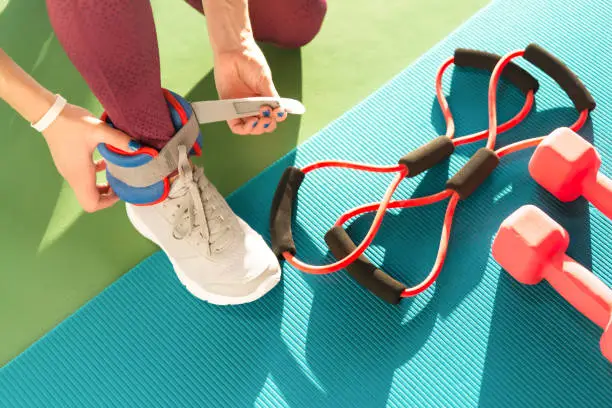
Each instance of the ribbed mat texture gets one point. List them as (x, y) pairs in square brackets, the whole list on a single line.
[(476, 338)]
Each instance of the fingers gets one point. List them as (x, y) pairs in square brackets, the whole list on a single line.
[(92, 197), (96, 198), (237, 126), (270, 117), (257, 125), (243, 126), (263, 125), (106, 197), (88, 197), (279, 114), (113, 137)]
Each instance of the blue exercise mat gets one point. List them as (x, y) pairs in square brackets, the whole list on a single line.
[(476, 337)]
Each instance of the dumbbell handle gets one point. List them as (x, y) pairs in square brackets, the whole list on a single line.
[(598, 190), (581, 288)]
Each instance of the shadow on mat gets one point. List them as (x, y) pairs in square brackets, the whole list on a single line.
[(516, 343), (532, 326), (372, 336), (224, 151)]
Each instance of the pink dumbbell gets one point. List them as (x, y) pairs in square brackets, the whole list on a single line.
[(531, 246), (567, 166)]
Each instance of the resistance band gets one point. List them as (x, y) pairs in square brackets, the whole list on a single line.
[(459, 187)]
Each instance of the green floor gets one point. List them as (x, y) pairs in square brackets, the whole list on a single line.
[(53, 257)]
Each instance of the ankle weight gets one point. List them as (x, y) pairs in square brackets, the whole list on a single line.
[(142, 177)]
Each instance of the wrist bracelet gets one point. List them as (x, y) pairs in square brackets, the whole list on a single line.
[(52, 114)]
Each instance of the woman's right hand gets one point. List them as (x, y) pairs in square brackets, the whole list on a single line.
[(72, 139)]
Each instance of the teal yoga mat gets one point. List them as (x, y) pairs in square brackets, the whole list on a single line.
[(476, 338)]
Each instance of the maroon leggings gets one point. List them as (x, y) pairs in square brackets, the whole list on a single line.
[(113, 44)]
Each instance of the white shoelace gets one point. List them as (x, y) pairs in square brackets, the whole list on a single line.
[(204, 210)]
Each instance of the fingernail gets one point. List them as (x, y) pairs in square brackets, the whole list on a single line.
[(281, 114), (267, 125), (266, 114), (134, 145), (255, 124)]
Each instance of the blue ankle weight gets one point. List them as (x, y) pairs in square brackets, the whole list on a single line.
[(156, 192)]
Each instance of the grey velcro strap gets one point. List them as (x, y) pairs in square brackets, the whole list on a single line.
[(161, 166)]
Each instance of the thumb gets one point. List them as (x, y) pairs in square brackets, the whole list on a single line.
[(266, 86), (114, 137)]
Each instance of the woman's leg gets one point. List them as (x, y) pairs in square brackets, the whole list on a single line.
[(287, 23), (113, 44)]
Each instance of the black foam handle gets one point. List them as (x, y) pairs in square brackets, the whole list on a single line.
[(282, 210), (428, 155), (485, 60), (362, 270), (473, 173), (568, 80)]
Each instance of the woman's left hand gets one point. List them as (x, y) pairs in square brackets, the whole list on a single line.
[(245, 73)]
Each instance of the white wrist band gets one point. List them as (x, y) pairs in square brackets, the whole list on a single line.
[(52, 114)]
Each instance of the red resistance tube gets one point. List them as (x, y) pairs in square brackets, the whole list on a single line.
[(387, 203), (402, 171), (448, 218)]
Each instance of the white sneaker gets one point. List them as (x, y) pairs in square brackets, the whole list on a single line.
[(215, 254)]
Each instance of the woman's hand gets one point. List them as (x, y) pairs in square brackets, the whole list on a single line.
[(241, 70), (245, 73), (72, 139)]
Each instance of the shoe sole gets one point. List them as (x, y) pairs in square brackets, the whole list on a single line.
[(197, 290)]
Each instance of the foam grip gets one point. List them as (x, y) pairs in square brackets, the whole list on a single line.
[(362, 270), (428, 155), (487, 61), (473, 173), (282, 210), (558, 71)]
